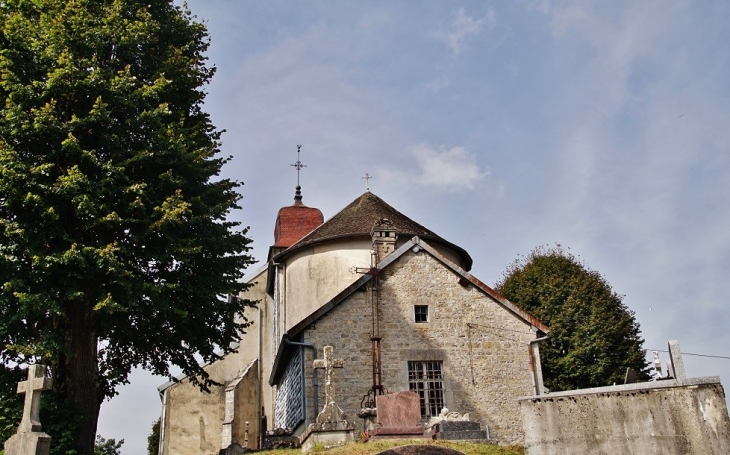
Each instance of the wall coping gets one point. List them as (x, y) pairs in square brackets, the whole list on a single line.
[(654, 385)]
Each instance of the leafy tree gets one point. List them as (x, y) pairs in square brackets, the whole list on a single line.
[(11, 403), (59, 419), (153, 439), (115, 251), (594, 337), (107, 446)]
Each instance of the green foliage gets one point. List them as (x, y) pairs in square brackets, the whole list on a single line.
[(107, 446), (58, 418), (153, 440), (61, 420), (115, 251), (594, 337), (11, 403)]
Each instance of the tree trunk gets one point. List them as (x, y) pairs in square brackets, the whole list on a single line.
[(81, 379)]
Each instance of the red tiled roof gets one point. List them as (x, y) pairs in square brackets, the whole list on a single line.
[(294, 222)]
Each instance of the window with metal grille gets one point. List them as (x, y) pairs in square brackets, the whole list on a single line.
[(421, 313), (425, 378)]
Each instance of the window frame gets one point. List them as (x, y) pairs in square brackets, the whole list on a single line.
[(416, 314), (426, 378)]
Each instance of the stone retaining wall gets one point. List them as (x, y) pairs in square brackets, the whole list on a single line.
[(665, 417)]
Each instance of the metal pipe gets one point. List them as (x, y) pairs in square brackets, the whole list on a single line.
[(315, 379), (536, 376)]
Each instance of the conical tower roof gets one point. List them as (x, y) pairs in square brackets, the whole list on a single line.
[(295, 221), (358, 218)]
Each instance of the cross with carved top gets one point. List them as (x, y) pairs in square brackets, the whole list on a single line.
[(331, 412), (32, 388), (298, 165)]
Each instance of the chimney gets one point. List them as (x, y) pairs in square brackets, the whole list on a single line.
[(384, 237)]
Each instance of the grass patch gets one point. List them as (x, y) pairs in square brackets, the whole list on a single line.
[(373, 447)]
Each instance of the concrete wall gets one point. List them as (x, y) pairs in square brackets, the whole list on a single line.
[(665, 417), (484, 381)]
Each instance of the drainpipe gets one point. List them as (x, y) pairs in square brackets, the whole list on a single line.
[(535, 366), (315, 379), (163, 422), (260, 392)]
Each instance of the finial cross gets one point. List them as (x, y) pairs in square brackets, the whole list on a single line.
[(367, 181), (32, 388), (331, 412), (298, 165)]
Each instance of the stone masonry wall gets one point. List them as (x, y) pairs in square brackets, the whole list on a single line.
[(484, 380), (194, 419)]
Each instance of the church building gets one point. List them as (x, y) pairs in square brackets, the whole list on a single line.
[(398, 305)]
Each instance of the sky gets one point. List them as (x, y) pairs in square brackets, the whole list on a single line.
[(501, 126)]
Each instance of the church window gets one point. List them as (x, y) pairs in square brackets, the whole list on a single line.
[(426, 379), (421, 313)]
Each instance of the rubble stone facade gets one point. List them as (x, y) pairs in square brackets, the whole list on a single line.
[(483, 348)]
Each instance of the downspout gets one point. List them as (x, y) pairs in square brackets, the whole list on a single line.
[(163, 422), (260, 404), (535, 365), (315, 379)]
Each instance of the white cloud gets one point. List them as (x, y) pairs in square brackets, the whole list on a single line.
[(452, 169), (464, 28)]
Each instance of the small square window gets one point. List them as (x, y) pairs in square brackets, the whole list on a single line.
[(421, 313)]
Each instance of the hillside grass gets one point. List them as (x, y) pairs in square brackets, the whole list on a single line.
[(374, 447)]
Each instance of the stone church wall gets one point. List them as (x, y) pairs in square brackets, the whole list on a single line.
[(486, 365), (193, 422)]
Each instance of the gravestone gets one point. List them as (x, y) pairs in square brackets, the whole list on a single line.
[(402, 409), (456, 426), (677, 366), (421, 449), (630, 376), (459, 430), (330, 428), (30, 439), (399, 415)]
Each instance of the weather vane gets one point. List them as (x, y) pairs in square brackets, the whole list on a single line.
[(367, 181), (298, 165)]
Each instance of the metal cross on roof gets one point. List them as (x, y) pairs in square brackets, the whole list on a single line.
[(367, 181), (298, 165)]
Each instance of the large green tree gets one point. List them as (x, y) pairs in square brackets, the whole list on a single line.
[(115, 249), (594, 337)]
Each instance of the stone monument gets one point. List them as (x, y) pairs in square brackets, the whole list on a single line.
[(399, 416), (455, 426), (330, 428), (30, 439)]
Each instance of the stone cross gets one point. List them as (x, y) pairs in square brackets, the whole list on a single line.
[(30, 439), (331, 412), (32, 388), (677, 368)]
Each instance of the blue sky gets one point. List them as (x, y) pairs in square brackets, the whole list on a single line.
[(501, 126)]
